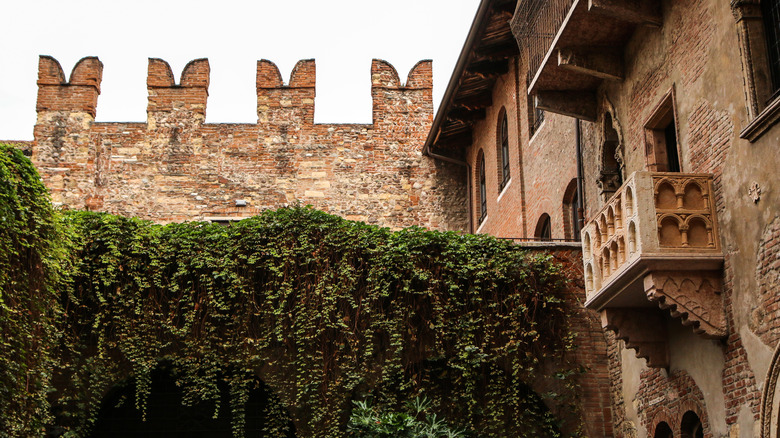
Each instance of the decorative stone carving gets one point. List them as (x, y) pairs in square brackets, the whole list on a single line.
[(643, 330), (754, 191), (608, 183), (693, 297)]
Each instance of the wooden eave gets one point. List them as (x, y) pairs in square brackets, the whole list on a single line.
[(485, 56)]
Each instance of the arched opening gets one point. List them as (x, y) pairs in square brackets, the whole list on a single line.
[(503, 150), (691, 426), (482, 194), (543, 228), (662, 430), (611, 166), (571, 220), (168, 417)]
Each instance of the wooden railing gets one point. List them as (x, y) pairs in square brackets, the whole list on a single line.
[(535, 24)]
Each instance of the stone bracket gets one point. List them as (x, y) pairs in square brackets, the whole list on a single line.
[(647, 12), (694, 297), (579, 104), (603, 63), (642, 330)]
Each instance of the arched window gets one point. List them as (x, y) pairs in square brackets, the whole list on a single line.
[(503, 150), (691, 426), (663, 431), (571, 220), (543, 228), (482, 201)]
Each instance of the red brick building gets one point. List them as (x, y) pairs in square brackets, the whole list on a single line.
[(663, 113)]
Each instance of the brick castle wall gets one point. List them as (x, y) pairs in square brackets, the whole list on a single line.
[(176, 167)]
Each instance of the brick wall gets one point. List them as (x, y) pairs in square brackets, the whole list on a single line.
[(595, 393), (176, 167), (539, 177), (667, 397)]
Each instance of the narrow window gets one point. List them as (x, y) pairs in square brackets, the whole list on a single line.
[(544, 228), (770, 9), (570, 211), (504, 151), (661, 148), (535, 116), (482, 188)]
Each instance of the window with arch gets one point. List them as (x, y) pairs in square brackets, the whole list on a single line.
[(543, 228), (571, 220), (503, 150), (662, 430), (482, 193), (691, 426)]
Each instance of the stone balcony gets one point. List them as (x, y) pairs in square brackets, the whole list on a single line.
[(653, 252)]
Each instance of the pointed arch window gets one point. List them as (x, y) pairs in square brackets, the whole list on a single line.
[(544, 228), (482, 187), (503, 150)]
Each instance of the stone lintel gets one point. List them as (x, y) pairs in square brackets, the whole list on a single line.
[(579, 104), (604, 63), (646, 12)]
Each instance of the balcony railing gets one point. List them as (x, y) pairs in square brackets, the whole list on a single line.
[(656, 244), (665, 217), (536, 23)]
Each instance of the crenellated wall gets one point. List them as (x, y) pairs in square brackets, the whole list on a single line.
[(176, 167)]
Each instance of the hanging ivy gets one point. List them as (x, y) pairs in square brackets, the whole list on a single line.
[(323, 310)]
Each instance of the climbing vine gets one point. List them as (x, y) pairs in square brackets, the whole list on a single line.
[(323, 310)]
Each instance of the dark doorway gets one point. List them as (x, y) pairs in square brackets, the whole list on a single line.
[(166, 417)]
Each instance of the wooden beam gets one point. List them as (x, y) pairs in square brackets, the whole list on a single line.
[(475, 101), (465, 115), (604, 63), (462, 140), (579, 104), (488, 69), (507, 6), (498, 51), (647, 12)]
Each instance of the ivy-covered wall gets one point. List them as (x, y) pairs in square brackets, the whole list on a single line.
[(323, 310)]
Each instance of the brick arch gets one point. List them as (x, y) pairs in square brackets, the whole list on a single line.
[(543, 229), (770, 399), (664, 398)]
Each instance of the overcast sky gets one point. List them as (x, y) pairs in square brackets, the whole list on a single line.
[(342, 35)]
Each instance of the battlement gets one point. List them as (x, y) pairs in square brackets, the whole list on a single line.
[(277, 103), (78, 94), (176, 167)]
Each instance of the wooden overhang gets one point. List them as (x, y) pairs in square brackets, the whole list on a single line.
[(485, 56), (575, 51)]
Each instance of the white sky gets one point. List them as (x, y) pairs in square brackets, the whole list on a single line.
[(342, 35)]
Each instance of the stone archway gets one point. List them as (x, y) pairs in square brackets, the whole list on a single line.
[(168, 417), (770, 399)]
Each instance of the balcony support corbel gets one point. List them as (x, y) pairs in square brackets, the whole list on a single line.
[(603, 63), (642, 330), (694, 297), (646, 12), (579, 104)]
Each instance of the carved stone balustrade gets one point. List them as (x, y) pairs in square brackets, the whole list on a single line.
[(655, 247)]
